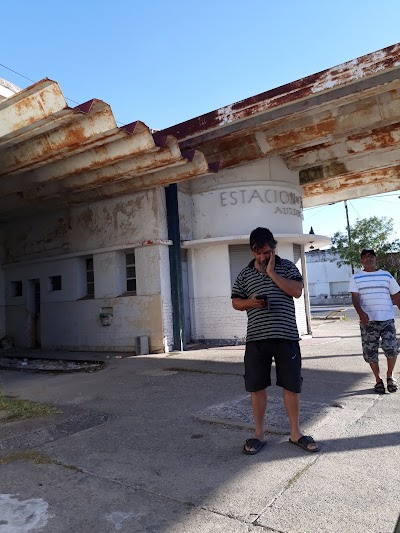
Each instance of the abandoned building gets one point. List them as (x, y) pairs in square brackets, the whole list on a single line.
[(121, 238)]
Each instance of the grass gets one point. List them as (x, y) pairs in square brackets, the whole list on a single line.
[(36, 458), (16, 409)]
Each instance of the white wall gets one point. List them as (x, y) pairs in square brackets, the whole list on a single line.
[(166, 302), (325, 277), (185, 211), (230, 203), (212, 315), (76, 325), (58, 243), (109, 271), (235, 201)]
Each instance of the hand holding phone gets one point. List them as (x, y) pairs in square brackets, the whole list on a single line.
[(263, 297)]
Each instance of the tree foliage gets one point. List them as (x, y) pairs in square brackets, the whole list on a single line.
[(371, 233)]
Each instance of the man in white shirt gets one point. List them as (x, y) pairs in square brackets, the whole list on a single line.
[(373, 293)]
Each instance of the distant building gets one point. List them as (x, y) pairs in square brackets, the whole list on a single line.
[(327, 282), (7, 89)]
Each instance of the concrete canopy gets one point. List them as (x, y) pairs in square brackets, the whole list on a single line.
[(339, 128), (52, 155)]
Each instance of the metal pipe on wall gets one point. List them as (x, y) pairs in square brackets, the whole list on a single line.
[(174, 235)]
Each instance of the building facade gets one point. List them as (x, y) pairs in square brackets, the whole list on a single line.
[(217, 215), (98, 277), (93, 277), (120, 238), (327, 282)]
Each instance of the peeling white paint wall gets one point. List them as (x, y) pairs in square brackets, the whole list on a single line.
[(185, 203), (240, 199), (113, 222), (57, 244)]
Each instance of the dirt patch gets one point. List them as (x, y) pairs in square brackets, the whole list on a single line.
[(48, 365)]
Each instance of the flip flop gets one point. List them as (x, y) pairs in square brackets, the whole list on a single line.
[(303, 442), (392, 385), (379, 387), (257, 444)]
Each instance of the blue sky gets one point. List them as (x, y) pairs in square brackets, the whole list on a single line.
[(166, 62), (327, 219)]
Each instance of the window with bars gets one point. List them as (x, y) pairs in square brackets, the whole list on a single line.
[(130, 272), (89, 277), (55, 283), (16, 288)]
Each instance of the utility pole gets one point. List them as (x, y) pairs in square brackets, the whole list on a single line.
[(348, 231)]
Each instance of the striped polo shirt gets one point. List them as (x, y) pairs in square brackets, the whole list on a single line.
[(279, 321), (374, 289)]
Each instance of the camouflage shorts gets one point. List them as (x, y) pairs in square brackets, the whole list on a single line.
[(370, 335)]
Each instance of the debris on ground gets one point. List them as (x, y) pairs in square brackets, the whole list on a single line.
[(48, 365), (6, 343)]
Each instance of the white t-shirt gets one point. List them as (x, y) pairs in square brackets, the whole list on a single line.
[(375, 289)]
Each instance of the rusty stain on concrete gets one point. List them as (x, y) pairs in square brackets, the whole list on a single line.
[(86, 217), (328, 107)]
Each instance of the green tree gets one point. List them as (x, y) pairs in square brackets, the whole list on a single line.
[(372, 232)]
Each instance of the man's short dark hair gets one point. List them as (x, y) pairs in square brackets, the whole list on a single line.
[(261, 237), (367, 251)]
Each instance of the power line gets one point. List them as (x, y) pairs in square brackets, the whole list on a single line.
[(319, 206), (15, 72), (384, 202), (357, 213), (376, 198), (33, 81), (384, 195)]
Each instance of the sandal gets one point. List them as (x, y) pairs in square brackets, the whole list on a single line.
[(379, 387), (392, 385), (257, 444), (304, 443)]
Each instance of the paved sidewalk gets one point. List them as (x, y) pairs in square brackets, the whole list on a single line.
[(153, 444)]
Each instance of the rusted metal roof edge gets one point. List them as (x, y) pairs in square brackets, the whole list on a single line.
[(29, 91), (373, 65), (257, 121)]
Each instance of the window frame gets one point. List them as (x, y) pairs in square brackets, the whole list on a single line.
[(53, 282), (129, 278), (16, 289), (89, 283)]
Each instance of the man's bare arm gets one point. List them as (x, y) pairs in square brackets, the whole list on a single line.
[(355, 298), (242, 304), (290, 286), (396, 299)]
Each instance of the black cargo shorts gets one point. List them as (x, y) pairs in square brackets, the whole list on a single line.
[(258, 361)]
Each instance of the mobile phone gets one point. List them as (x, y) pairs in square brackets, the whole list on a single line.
[(265, 298)]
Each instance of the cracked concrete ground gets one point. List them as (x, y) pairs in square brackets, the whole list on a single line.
[(133, 450)]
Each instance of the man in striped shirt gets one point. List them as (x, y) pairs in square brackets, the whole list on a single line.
[(373, 293), (265, 290)]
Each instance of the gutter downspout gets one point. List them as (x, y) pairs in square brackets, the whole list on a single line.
[(175, 266)]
